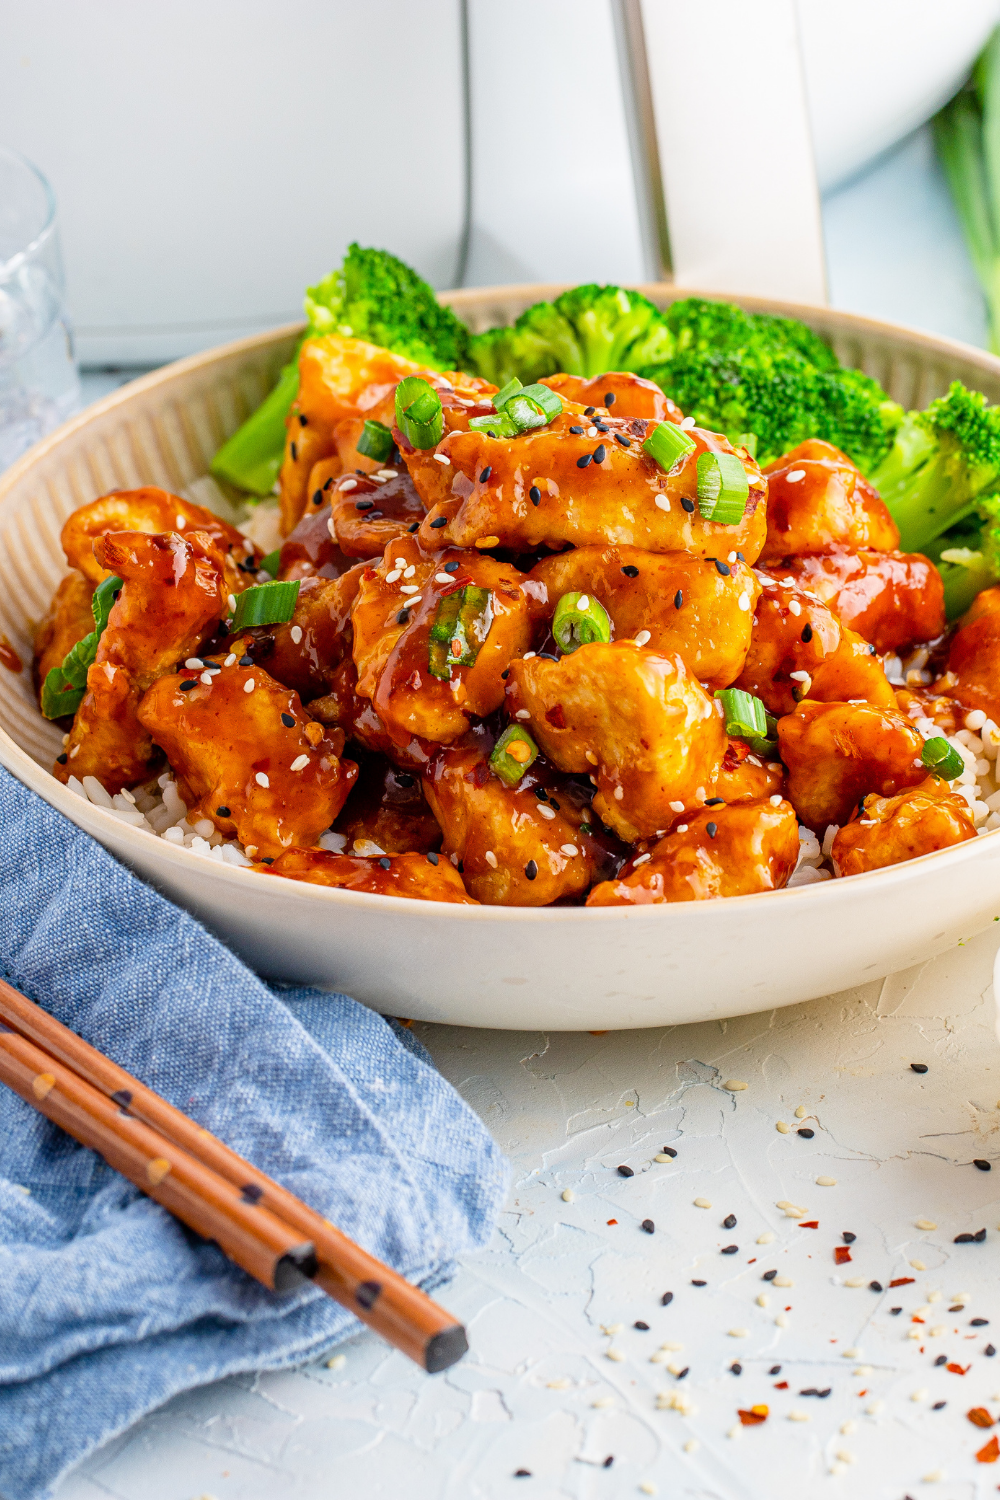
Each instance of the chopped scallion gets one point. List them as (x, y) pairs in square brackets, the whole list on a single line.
[(65, 685), (419, 413), (748, 440), (505, 393), (499, 426), (461, 624), (942, 759), (723, 488), (667, 443), (375, 441), (272, 562), (748, 719), (580, 620), (265, 604), (513, 753)]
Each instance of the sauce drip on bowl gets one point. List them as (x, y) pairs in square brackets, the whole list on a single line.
[(9, 657)]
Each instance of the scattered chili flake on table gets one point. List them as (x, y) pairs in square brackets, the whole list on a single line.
[(808, 1223), (612, 1221), (957, 1369), (979, 1417), (902, 1281), (781, 1385), (989, 1452), (841, 1255), (754, 1416)]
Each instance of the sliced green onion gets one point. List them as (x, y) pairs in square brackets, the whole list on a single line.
[(419, 413), (513, 753), (748, 719), (375, 441), (461, 625), (526, 407), (723, 488), (580, 620), (548, 400), (941, 758), (265, 604), (499, 426), (667, 443), (505, 393), (748, 440), (65, 685), (525, 413), (272, 562)]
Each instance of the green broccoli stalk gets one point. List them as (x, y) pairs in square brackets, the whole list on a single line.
[(372, 296), (782, 399)]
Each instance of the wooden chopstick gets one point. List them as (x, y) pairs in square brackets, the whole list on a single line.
[(404, 1315)]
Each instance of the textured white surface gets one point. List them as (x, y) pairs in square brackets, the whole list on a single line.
[(538, 1390)]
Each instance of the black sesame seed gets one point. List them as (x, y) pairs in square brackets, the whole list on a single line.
[(522, 1473), (978, 1322), (630, 571), (589, 411), (722, 567), (531, 869), (625, 1172), (895, 1311), (600, 425), (585, 461), (362, 473), (576, 431), (452, 567), (648, 1226), (608, 1461), (222, 812), (623, 442), (402, 618), (505, 673), (699, 1283), (642, 1327), (874, 1286), (667, 1151), (939, 1406), (386, 864), (294, 452), (403, 778), (729, 1222), (989, 1351), (984, 1166), (729, 1249), (303, 421), (942, 1359), (736, 1368), (432, 859), (546, 656), (414, 527), (687, 504), (741, 557), (848, 1238), (686, 1371), (711, 829), (267, 860), (375, 515), (62, 759), (441, 521), (318, 498), (486, 474), (288, 721), (329, 482), (609, 398), (769, 1275), (600, 453), (666, 1299), (364, 505), (245, 661), (979, 1236), (807, 632), (678, 598), (188, 684), (919, 1067), (774, 1370), (715, 801), (963, 1239), (535, 495), (958, 1308), (805, 1131)]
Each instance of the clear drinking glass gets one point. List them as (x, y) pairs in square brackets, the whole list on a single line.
[(39, 383)]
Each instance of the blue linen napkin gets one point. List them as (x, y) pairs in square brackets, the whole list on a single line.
[(108, 1306)]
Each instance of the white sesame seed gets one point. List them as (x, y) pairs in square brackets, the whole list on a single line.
[(491, 859), (744, 601), (591, 431), (800, 676), (296, 633), (795, 476), (919, 1395), (546, 812), (767, 1238), (195, 663), (330, 528), (963, 1297), (206, 678), (687, 423), (782, 1127), (926, 1224), (387, 473), (442, 578), (782, 1281), (348, 484), (619, 793), (299, 763), (975, 720), (731, 558), (569, 849), (800, 1112), (662, 503), (261, 779), (179, 522), (615, 1354), (442, 458), (739, 1333), (391, 577), (798, 1416), (230, 659), (641, 860), (735, 1085), (568, 1195), (762, 1299), (662, 1156), (676, 806), (377, 478), (409, 588), (776, 799), (681, 828), (583, 602), (826, 1182), (522, 713), (702, 1203), (231, 601), (854, 1281), (781, 1320), (642, 637), (409, 572), (590, 757), (795, 606)]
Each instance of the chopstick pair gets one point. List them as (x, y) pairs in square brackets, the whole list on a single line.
[(261, 1226)]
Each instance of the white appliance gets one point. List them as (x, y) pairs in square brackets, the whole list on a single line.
[(211, 159)]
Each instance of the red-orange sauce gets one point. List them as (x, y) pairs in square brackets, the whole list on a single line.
[(9, 657)]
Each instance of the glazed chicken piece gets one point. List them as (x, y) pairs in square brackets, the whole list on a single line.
[(744, 775), (304, 653), (721, 851), (700, 609), (341, 708), (417, 876), (892, 599), (556, 485), (973, 675), (392, 619), (367, 514), (311, 551), (817, 500), (638, 721), (888, 830), (794, 633), (927, 703), (248, 757), (173, 591), (387, 808), (153, 510), (837, 753), (342, 381), (514, 849), (69, 619), (631, 396)]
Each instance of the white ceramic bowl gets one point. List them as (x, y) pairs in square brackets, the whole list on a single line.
[(556, 969)]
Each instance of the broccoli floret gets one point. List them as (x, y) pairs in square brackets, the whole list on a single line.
[(372, 296), (944, 466), (704, 327), (782, 399), (586, 331)]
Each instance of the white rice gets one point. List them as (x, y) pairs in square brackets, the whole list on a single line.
[(156, 808)]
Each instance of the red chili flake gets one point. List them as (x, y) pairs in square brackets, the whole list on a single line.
[(753, 1417), (781, 1385), (808, 1223), (915, 1319), (902, 1281), (990, 1452), (458, 582), (957, 1369), (612, 1221), (979, 1417), (841, 1255), (555, 716)]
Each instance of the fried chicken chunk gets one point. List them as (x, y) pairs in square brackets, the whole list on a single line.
[(368, 513), (514, 849), (700, 609), (837, 753), (974, 659), (311, 550), (557, 485), (306, 651), (637, 720), (890, 598), (794, 633), (69, 619), (152, 510), (720, 851), (173, 590), (393, 615), (411, 875), (744, 775), (631, 396), (248, 757), (888, 830), (818, 500), (387, 808)]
